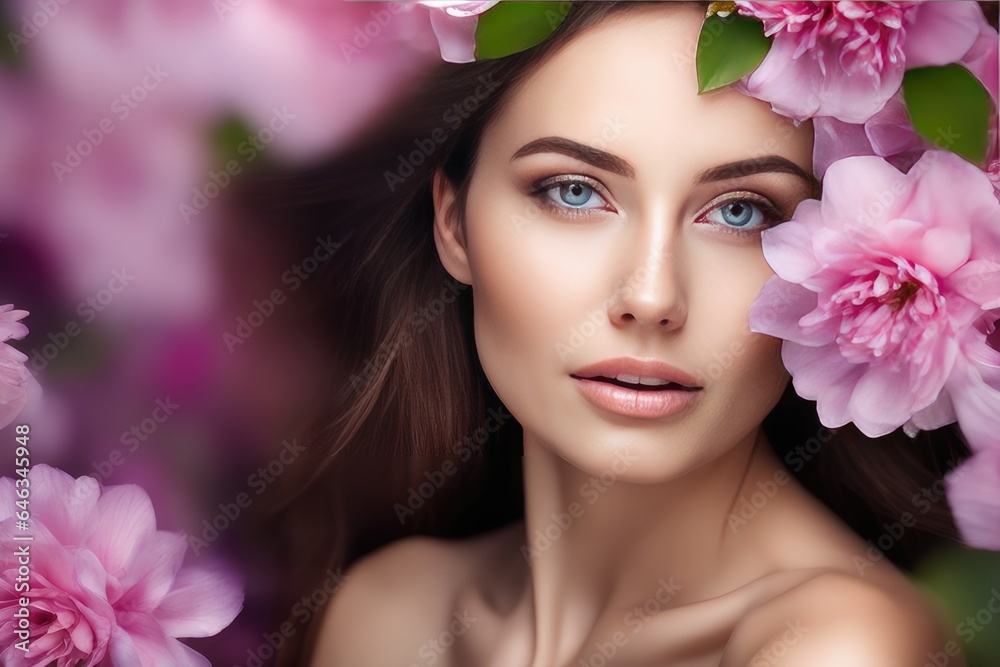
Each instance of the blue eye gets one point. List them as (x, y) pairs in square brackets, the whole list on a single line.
[(571, 193), (744, 215)]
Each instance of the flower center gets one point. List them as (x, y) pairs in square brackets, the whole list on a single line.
[(903, 295), (888, 311), (864, 35)]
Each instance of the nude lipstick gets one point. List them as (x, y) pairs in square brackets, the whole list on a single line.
[(646, 389)]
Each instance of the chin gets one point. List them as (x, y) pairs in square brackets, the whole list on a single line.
[(647, 456)]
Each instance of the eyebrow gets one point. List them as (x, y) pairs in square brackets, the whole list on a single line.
[(617, 165)]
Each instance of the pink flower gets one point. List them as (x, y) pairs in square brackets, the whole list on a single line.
[(104, 583), (850, 55), (879, 284), (16, 381), (890, 133), (454, 25), (972, 494)]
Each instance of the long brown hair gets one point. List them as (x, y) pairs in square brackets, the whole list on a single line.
[(407, 393)]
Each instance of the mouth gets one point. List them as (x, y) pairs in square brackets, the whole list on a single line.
[(637, 388), (638, 383)]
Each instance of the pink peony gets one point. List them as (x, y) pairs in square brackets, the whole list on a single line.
[(106, 587), (849, 55), (890, 133), (972, 494), (16, 382), (454, 25), (879, 285)]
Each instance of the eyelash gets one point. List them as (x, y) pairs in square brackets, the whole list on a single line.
[(540, 189), (772, 214)]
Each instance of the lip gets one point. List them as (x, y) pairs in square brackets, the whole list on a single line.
[(643, 368), (642, 403)]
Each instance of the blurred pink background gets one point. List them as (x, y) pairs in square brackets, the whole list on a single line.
[(123, 123)]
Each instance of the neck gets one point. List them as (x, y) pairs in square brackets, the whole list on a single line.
[(596, 543)]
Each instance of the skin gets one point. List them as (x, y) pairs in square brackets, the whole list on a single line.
[(624, 512)]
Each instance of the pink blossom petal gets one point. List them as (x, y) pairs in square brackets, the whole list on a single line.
[(10, 326), (124, 518), (975, 386), (834, 140), (983, 59), (66, 503), (123, 649), (877, 412), (870, 175), (788, 247), (933, 198), (891, 131), (972, 494), (90, 573), (155, 648), (939, 413), (819, 375), (17, 383), (459, 7), (456, 36), (979, 281), (942, 32), (942, 250), (889, 134), (779, 310), (202, 602), (152, 570)]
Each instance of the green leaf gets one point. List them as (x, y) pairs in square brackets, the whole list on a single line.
[(226, 136), (729, 48), (510, 27), (950, 108), (964, 581)]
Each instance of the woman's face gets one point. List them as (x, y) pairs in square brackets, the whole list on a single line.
[(602, 223)]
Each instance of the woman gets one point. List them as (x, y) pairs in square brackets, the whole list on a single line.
[(581, 236)]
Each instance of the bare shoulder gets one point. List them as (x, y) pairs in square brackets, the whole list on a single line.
[(396, 601), (389, 600), (840, 619)]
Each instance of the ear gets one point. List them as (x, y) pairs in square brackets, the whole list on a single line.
[(449, 237)]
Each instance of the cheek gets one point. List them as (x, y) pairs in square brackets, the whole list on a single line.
[(763, 377), (745, 365), (522, 296), (537, 301), (757, 377)]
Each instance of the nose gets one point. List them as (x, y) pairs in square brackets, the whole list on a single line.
[(652, 295)]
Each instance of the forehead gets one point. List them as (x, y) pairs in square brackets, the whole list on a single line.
[(629, 85)]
